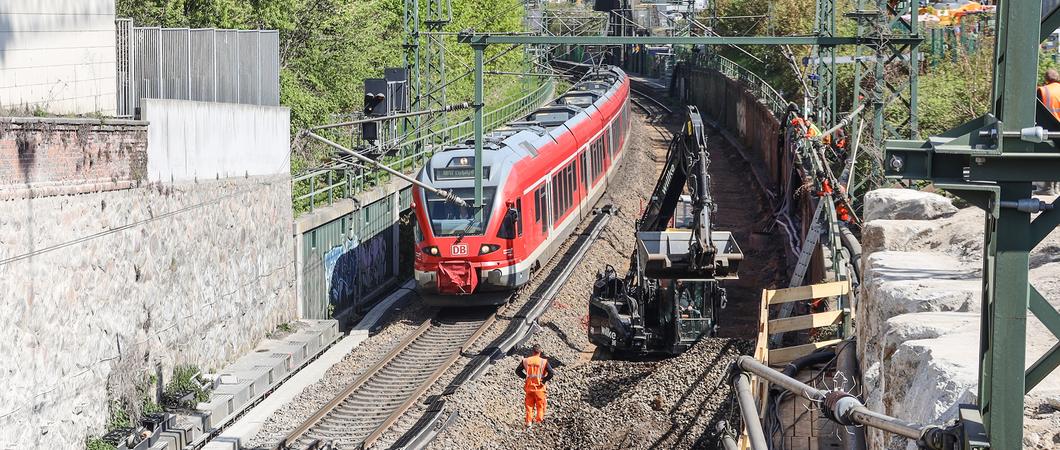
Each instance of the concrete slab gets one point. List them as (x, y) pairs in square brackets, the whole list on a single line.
[(297, 352), (220, 405), (222, 443)]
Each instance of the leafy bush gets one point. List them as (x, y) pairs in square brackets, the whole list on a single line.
[(185, 381)]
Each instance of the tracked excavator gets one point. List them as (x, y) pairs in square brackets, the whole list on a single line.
[(670, 297)]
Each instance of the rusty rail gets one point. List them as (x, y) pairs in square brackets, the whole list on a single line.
[(343, 408)]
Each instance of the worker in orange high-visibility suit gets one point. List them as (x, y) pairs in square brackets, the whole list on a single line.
[(1049, 93), (537, 371)]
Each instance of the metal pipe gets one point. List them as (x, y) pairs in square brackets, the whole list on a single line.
[(842, 123), (847, 410), (524, 74), (854, 155), (448, 108), (726, 439), (750, 412), (794, 386), (449, 196), (847, 364), (870, 418)]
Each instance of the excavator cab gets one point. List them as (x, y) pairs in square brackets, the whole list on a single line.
[(694, 303)]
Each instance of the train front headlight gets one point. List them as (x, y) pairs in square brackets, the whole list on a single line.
[(432, 250), (488, 248)]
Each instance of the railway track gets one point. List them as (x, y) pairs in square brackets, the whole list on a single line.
[(362, 412), (652, 106)]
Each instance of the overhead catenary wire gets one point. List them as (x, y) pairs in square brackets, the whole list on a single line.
[(447, 195)]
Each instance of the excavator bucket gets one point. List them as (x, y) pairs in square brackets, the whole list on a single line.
[(667, 254)]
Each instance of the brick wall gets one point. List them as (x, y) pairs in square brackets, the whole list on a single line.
[(56, 156)]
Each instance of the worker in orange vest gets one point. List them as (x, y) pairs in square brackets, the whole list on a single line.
[(1049, 94), (537, 371)]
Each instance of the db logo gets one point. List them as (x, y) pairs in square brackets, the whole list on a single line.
[(459, 250)]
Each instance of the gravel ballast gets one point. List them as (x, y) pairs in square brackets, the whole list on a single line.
[(599, 403)]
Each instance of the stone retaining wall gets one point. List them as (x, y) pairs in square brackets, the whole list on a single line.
[(756, 130), (919, 310), (173, 274)]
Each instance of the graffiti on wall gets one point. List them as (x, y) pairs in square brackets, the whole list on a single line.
[(356, 268)]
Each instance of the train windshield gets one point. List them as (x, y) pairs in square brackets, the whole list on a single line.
[(450, 219)]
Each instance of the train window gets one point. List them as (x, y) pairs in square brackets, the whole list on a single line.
[(598, 159), (416, 232), (519, 211), (607, 146), (449, 219), (511, 224), (573, 183), (556, 188), (541, 208), (585, 171)]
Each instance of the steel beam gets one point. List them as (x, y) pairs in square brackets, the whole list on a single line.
[(826, 74), (488, 39)]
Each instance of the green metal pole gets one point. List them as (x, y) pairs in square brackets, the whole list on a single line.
[(1002, 379), (479, 49), (914, 70)]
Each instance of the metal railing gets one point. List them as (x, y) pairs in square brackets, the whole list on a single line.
[(322, 186), (211, 65), (755, 85)]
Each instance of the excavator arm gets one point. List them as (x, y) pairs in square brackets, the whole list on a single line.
[(670, 297), (690, 251)]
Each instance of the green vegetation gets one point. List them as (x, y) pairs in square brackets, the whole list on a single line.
[(97, 443), (951, 90), (184, 382), (779, 18)]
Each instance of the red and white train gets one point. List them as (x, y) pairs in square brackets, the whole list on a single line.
[(542, 176)]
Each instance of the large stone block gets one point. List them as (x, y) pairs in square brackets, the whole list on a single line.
[(926, 370), (900, 235), (906, 204)]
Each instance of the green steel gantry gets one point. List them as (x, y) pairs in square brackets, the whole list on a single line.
[(425, 58), (991, 162)]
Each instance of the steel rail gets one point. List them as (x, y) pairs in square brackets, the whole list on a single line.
[(433, 338), (424, 431), (651, 99), (302, 429), (438, 372)]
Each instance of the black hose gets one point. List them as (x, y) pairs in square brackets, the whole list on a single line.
[(850, 242), (813, 359)]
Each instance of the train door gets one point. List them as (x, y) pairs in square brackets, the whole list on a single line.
[(583, 181)]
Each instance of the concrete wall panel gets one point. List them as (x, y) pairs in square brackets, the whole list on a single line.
[(199, 140), (58, 55)]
